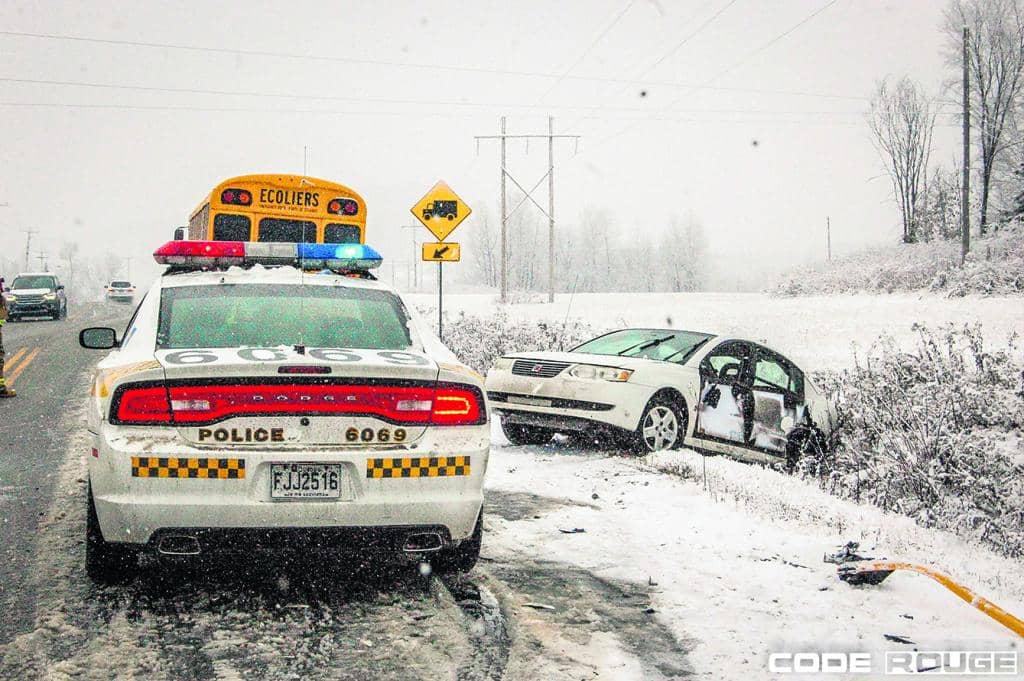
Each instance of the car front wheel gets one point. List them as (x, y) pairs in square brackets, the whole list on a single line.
[(522, 434), (662, 426)]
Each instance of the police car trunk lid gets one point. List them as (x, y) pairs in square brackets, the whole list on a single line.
[(287, 398)]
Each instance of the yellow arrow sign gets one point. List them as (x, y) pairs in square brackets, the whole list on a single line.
[(442, 252), (441, 211)]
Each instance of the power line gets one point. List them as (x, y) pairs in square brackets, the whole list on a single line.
[(588, 49), (736, 64), (408, 65), (318, 98), (668, 54), (442, 114)]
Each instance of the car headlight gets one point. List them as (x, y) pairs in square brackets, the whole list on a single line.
[(12, 299), (49, 296), (600, 373), (503, 363)]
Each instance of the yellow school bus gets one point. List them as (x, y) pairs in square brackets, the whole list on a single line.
[(287, 208)]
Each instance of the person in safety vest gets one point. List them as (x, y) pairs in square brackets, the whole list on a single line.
[(4, 390)]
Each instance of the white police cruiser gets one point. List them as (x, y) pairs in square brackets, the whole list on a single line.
[(271, 394)]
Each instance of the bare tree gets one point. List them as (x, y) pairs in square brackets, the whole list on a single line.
[(68, 251), (995, 56), (902, 119)]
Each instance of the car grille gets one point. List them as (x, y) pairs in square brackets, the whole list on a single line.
[(539, 368), (30, 300)]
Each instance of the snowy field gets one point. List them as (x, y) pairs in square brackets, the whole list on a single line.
[(733, 562), (817, 332)]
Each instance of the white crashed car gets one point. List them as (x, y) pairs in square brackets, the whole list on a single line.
[(250, 408), (664, 389)]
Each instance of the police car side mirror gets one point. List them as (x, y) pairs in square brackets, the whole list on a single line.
[(98, 338), (60, 287), (7, 289), (179, 233)]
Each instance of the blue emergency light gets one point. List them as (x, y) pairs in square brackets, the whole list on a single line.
[(336, 257)]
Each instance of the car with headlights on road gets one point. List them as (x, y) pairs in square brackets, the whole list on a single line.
[(663, 389), (271, 397), (36, 294)]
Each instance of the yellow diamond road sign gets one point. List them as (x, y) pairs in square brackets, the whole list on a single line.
[(441, 211), (445, 251)]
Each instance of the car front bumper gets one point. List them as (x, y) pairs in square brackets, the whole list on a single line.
[(19, 309), (566, 402), (135, 509)]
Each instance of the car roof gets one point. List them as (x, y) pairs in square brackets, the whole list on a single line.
[(35, 274), (258, 274)]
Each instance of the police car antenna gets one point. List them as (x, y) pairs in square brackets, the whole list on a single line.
[(565, 322)]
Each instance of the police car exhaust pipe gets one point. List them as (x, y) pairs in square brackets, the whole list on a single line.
[(423, 542), (178, 545)]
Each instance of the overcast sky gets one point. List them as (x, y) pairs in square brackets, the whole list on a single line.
[(388, 95)]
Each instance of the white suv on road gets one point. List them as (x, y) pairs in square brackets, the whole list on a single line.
[(249, 407)]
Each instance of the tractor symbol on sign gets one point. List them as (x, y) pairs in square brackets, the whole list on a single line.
[(441, 209)]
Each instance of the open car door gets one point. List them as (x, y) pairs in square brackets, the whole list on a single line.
[(725, 407)]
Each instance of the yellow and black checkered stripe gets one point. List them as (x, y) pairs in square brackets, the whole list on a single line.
[(418, 467), (173, 467)]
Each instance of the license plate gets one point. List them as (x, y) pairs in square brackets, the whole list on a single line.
[(532, 401), (305, 481)]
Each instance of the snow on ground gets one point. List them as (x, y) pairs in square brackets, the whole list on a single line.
[(738, 564), (818, 332)]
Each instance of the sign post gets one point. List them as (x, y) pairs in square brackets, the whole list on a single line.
[(441, 211)]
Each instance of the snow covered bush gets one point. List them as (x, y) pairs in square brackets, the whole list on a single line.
[(933, 433), (479, 340), (995, 266)]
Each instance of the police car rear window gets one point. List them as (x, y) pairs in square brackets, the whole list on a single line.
[(264, 316)]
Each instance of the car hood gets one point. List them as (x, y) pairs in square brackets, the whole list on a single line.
[(30, 291), (584, 358)]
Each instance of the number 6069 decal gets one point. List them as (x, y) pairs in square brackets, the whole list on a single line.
[(375, 435)]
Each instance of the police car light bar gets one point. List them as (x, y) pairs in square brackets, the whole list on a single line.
[(306, 256)]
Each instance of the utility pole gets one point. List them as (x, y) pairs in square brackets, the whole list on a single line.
[(551, 209), (415, 256), (527, 196), (28, 243), (965, 198), (129, 275), (42, 261), (828, 238)]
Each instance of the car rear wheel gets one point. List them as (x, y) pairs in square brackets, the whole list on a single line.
[(105, 563), (522, 434), (662, 426), (804, 442), (462, 558)]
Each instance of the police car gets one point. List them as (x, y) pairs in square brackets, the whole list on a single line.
[(270, 395)]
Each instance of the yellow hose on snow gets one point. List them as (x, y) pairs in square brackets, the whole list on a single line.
[(986, 606)]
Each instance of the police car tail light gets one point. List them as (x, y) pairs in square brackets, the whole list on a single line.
[(141, 405), (456, 406), (201, 253)]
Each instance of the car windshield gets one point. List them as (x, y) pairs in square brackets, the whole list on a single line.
[(264, 315), (34, 281), (120, 284), (661, 344)]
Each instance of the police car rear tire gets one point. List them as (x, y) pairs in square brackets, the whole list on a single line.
[(461, 558), (105, 563), (522, 434)]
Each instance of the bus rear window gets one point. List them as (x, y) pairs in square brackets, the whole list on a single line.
[(228, 227), (341, 234), (288, 231)]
